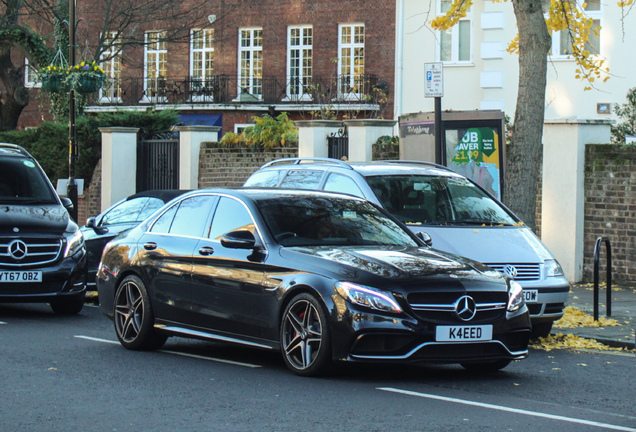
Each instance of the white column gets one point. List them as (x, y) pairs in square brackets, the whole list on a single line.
[(363, 134), (312, 137), (563, 200), (190, 139), (119, 164)]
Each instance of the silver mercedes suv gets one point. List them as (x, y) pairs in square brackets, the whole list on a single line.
[(458, 215)]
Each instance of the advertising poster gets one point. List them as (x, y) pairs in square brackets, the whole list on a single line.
[(474, 153)]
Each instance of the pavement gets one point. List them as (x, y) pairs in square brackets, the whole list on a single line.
[(623, 310)]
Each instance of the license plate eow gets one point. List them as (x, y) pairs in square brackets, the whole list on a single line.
[(530, 296), (463, 333), (20, 276)]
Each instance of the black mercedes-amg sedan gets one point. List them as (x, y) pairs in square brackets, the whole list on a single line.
[(320, 277)]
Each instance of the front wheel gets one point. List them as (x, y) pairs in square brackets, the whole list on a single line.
[(134, 320), (541, 330), (305, 337)]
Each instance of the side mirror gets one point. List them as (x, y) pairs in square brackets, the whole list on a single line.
[(90, 223), (428, 241), (67, 203), (239, 239)]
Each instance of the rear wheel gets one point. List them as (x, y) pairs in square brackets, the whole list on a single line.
[(305, 338), (68, 305), (134, 320), (486, 367)]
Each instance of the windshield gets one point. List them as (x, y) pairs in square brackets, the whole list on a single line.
[(319, 220), (435, 200), (22, 182)]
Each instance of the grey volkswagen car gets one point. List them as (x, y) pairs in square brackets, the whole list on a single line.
[(458, 215)]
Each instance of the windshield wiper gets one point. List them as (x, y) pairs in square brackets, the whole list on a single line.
[(469, 222)]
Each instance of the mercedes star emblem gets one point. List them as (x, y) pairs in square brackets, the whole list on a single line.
[(465, 308), (17, 249)]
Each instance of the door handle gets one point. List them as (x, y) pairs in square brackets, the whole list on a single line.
[(206, 250), (150, 246)]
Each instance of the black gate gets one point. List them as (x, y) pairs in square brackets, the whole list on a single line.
[(338, 144), (158, 163)]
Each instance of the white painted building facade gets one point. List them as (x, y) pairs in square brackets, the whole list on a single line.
[(480, 74)]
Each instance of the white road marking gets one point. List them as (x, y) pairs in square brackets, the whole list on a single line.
[(2, 322), (508, 409), (218, 360)]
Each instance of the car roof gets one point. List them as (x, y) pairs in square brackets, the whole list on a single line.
[(7, 149), (394, 167), (163, 194), (257, 194)]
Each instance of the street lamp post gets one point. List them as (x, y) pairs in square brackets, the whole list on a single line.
[(71, 189)]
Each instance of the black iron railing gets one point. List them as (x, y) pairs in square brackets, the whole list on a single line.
[(225, 89)]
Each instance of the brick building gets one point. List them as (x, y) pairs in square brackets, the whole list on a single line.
[(312, 59)]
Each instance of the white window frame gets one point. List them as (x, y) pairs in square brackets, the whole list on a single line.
[(31, 79), (557, 51), (112, 69), (206, 53), (250, 79), (350, 74), (159, 49), (455, 39), (304, 50), (240, 127)]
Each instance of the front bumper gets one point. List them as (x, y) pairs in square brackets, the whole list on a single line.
[(361, 335), (64, 278)]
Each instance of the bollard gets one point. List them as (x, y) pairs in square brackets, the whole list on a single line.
[(597, 251)]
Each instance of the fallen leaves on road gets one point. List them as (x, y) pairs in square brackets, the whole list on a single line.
[(563, 341), (574, 317)]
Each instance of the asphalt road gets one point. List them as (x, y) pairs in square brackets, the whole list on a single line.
[(69, 374)]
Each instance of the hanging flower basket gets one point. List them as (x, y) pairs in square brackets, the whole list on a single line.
[(88, 83), (86, 77), (53, 79)]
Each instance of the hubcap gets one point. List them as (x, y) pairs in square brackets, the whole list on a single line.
[(129, 312), (302, 334)]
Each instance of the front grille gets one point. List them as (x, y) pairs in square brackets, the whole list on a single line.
[(39, 250), (439, 307), (525, 271)]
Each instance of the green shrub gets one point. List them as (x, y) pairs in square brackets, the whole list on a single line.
[(268, 132), (49, 142)]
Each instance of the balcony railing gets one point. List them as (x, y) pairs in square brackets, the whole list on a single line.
[(225, 89)]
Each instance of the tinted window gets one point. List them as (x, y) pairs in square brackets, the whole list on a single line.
[(343, 184), (230, 215), (151, 205), (264, 179), (162, 225), (192, 216), (22, 180), (302, 179), (319, 220), (126, 212), (417, 199)]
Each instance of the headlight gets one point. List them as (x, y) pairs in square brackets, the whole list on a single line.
[(74, 243), (515, 297), (553, 268), (366, 296)]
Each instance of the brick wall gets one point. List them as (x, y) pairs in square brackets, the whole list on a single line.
[(610, 209), (230, 167)]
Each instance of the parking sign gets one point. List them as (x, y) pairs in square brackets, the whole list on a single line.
[(434, 80)]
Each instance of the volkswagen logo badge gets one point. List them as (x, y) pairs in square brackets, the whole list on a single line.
[(465, 308), (17, 249), (510, 270)]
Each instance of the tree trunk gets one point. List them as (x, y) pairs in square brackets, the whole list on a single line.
[(15, 96), (524, 153)]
